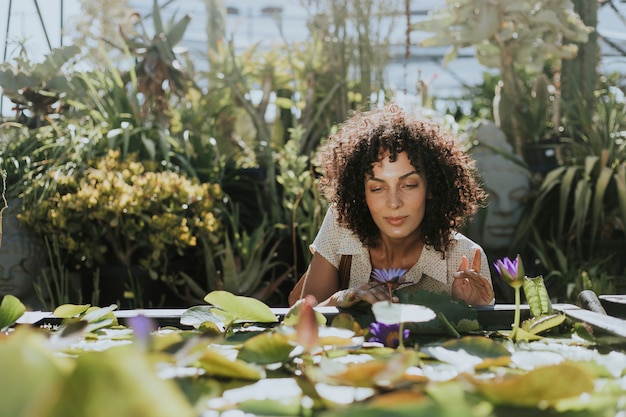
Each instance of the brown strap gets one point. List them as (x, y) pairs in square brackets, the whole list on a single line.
[(344, 271), (344, 279)]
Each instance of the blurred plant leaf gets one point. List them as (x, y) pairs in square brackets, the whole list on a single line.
[(218, 365), (537, 386), (537, 296), (240, 308), (11, 309), (99, 377), (266, 348)]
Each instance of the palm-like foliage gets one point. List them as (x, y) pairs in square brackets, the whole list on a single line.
[(582, 202), (158, 69)]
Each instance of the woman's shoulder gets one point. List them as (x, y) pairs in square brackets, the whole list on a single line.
[(460, 237), (336, 238), (461, 243)]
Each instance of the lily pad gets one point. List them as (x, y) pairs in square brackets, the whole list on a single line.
[(241, 309), (67, 311), (540, 324), (11, 309), (99, 377), (537, 386), (393, 313), (293, 315), (458, 314), (479, 346), (198, 316), (219, 366), (266, 348), (31, 373)]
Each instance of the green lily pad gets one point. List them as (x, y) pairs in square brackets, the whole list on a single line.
[(536, 325), (198, 316), (31, 373), (219, 366), (266, 348), (67, 311), (479, 346), (458, 314), (293, 315), (11, 309), (240, 308), (94, 388)]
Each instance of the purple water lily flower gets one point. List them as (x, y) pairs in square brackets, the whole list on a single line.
[(142, 328), (390, 277), (387, 334), (512, 271)]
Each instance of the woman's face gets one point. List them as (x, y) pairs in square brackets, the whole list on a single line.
[(396, 197)]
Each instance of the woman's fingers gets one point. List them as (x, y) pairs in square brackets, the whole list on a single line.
[(370, 293), (472, 287), (476, 260), (464, 263)]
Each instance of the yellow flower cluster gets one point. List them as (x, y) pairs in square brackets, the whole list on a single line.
[(116, 211)]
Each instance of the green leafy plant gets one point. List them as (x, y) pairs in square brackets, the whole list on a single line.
[(37, 87), (542, 315), (581, 205), (159, 71), (5, 204), (245, 263), (516, 38), (302, 202), (118, 212)]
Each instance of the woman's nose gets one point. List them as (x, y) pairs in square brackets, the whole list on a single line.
[(394, 201)]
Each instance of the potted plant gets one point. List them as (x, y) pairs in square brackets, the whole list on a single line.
[(110, 212), (519, 39), (578, 214)]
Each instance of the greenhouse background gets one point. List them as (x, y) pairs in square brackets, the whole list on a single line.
[(251, 21)]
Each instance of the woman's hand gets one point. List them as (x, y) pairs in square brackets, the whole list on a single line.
[(370, 292), (469, 285)]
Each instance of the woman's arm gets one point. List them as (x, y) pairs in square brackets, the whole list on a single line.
[(323, 283), (322, 280)]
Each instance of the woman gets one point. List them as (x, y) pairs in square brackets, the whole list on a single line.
[(399, 190)]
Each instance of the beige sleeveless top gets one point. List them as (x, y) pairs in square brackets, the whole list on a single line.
[(430, 273)]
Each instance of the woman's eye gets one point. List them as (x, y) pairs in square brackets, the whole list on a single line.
[(410, 185), (376, 190)]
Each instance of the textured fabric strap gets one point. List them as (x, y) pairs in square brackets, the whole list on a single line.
[(344, 271)]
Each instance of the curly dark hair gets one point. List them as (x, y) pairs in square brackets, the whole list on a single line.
[(361, 140)]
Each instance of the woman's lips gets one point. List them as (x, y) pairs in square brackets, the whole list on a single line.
[(395, 221)]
